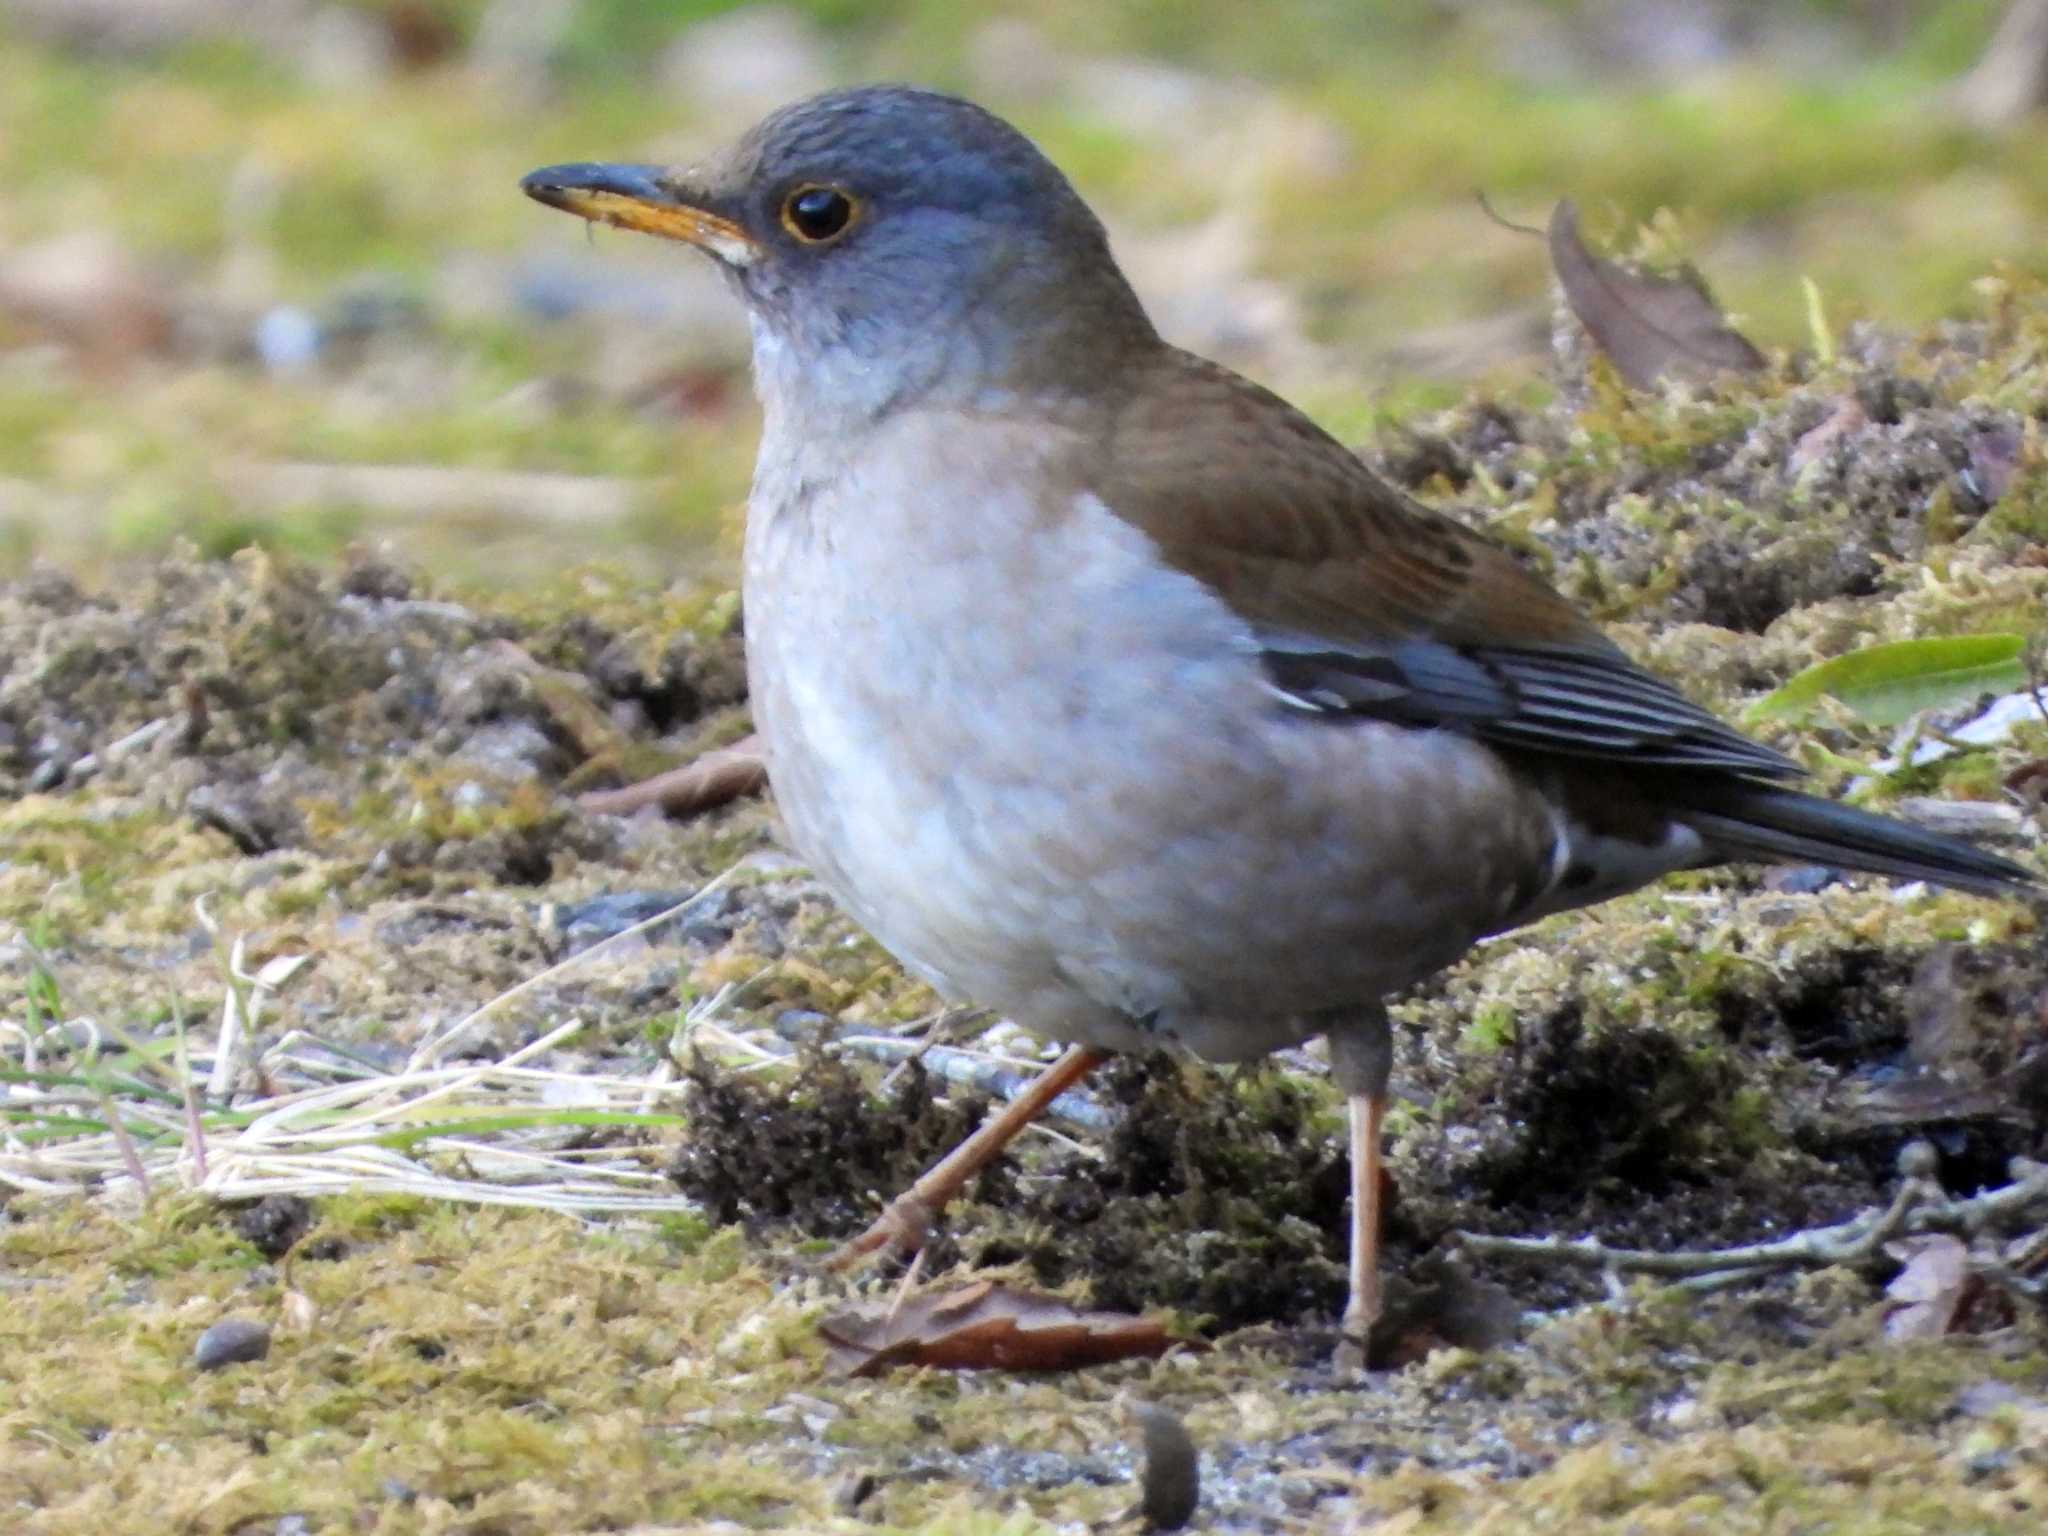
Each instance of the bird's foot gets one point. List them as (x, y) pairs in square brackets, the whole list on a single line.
[(901, 1228), (1348, 1363), (1354, 1336)]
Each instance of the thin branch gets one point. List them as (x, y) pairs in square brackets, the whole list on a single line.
[(1921, 1206)]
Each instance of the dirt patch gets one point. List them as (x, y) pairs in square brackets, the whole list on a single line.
[(1221, 1195), (342, 715), (807, 1153)]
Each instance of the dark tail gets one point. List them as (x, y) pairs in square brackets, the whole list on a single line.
[(1758, 821)]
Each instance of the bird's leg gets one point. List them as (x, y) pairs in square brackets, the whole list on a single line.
[(909, 1216), (1361, 1060)]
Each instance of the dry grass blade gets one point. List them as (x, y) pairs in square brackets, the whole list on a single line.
[(490, 1134), (513, 1131)]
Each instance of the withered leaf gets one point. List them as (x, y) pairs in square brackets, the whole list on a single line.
[(1651, 327), (704, 785), (986, 1326), (1930, 1291)]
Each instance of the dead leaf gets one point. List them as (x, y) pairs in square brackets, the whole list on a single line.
[(421, 33), (1650, 327), (1928, 1098), (691, 394), (704, 785), (986, 1326), (1930, 1290)]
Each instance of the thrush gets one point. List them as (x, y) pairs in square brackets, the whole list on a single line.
[(1106, 689)]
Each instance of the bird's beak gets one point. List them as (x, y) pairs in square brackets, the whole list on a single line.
[(640, 197)]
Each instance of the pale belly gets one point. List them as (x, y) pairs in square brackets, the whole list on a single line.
[(1045, 772)]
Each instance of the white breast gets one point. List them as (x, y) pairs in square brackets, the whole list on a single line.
[(1046, 770), (936, 663)]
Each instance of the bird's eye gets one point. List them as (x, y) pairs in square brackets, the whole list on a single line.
[(816, 214)]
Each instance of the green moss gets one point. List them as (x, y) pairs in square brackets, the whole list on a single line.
[(1492, 1029), (72, 864)]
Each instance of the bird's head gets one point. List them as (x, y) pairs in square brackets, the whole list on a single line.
[(890, 243)]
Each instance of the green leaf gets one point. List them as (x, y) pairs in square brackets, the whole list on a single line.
[(1890, 683)]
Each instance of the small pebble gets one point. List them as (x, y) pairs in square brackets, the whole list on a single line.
[(1170, 1485), (1800, 879), (231, 1341)]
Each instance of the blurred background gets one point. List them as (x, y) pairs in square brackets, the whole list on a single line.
[(266, 275)]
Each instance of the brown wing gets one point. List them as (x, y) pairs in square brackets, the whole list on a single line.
[(1367, 603)]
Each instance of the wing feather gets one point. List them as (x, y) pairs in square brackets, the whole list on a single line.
[(1366, 603)]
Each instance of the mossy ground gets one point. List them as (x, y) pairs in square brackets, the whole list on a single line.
[(1715, 1060), (369, 756), (463, 1370)]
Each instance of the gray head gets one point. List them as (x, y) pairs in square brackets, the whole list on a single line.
[(891, 244)]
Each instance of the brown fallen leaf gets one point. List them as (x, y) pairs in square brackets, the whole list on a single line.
[(704, 785), (987, 1326), (1930, 1291), (421, 33), (1650, 327)]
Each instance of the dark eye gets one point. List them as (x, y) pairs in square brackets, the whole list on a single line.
[(816, 214)]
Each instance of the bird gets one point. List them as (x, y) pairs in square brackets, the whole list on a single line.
[(1107, 690)]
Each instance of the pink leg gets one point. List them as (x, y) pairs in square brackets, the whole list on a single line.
[(1361, 1060), (904, 1224)]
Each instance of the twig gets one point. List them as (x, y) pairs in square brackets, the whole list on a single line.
[(1494, 215), (1920, 1206), (710, 781), (119, 748)]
